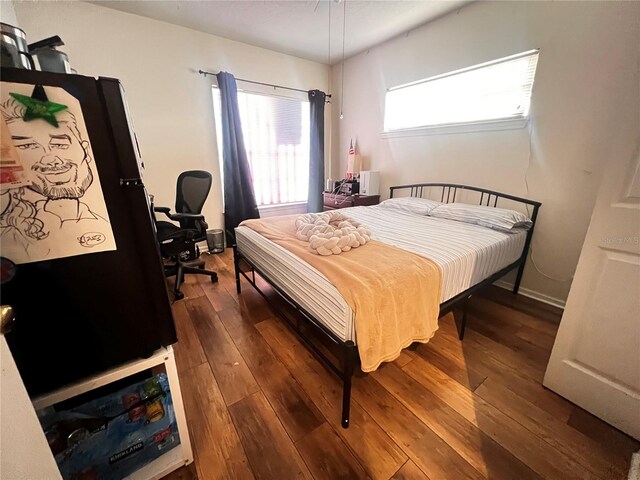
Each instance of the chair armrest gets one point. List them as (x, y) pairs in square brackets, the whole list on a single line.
[(184, 216), (165, 210), (185, 234), (178, 216)]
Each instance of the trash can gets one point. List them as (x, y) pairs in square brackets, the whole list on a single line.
[(215, 240)]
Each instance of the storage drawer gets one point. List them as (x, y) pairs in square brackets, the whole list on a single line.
[(333, 201)]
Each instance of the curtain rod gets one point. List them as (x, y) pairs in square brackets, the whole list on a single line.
[(205, 73)]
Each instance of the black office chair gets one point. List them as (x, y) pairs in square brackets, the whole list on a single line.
[(178, 243)]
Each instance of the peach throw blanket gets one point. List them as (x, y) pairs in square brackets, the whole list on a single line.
[(394, 294)]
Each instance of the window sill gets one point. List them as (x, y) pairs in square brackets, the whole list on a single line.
[(282, 209), (279, 205), (488, 126)]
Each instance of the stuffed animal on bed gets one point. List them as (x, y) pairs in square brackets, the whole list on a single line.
[(331, 233)]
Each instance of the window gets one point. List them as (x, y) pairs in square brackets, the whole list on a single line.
[(494, 91), (276, 137)]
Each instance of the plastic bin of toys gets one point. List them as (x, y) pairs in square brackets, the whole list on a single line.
[(113, 436)]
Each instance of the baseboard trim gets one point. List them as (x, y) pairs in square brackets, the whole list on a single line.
[(541, 297), (634, 471)]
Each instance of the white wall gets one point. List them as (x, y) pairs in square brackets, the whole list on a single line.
[(157, 63), (587, 78), (8, 13)]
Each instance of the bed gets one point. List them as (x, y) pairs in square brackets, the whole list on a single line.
[(469, 256)]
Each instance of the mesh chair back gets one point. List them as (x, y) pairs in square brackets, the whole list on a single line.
[(192, 190)]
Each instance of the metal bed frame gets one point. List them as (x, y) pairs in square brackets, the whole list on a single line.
[(345, 351)]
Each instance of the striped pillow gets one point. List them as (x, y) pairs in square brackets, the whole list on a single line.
[(500, 219), (415, 205)]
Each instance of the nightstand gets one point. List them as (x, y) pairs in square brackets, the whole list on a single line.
[(334, 201)]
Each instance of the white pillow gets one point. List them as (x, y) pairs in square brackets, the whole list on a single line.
[(415, 205), (496, 218)]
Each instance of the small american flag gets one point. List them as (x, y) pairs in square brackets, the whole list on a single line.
[(351, 157)]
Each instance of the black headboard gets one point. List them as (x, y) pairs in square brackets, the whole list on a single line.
[(449, 191)]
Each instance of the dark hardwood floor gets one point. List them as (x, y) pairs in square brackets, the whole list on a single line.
[(259, 405)]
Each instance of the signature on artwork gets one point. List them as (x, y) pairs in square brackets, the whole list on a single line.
[(91, 239)]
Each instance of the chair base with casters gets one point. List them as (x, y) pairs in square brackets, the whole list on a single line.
[(176, 244), (180, 268)]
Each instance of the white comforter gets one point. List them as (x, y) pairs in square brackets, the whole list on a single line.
[(466, 253)]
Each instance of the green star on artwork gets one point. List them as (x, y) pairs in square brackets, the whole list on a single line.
[(39, 108)]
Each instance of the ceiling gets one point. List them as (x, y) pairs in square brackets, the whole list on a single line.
[(296, 27)]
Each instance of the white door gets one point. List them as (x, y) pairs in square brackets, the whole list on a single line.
[(595, 361), (24, 451)]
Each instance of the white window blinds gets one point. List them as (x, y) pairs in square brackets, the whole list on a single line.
[(276, 133), (496, 90)]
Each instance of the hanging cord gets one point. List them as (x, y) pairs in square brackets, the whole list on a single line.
[(526, 183), (344, 30), (329, 42), (330, 82)]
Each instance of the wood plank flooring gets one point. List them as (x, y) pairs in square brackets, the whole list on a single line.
[(260, 405)]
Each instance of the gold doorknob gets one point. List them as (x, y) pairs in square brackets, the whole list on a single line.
[(6, 318)]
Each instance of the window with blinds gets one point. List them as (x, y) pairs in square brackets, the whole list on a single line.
[(493, 91), (276, 134)]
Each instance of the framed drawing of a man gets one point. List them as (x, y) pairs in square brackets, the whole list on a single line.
[(60, 211)]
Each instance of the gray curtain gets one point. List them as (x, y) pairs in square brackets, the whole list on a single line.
[(316, 157), (239, 199)]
